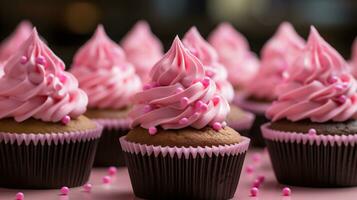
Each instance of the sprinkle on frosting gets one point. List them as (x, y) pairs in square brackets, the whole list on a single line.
[(319, 87), (209, 58), (172, 108), (234, 53), (142, 48), (11, 44), (31, 89), (104, 73), (277, 55)]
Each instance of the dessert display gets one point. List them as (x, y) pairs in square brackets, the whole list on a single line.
[(110, 82), (179, 146), (237, 119), (45, 141), (312, 135), (276, 56), (143, 49)]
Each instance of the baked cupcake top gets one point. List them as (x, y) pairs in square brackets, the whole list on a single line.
[(143, 48), (35, 85), (11, 44), (234, 53), (197, 45), (180, 96), (104, 73), (319, 87), (276, 56)]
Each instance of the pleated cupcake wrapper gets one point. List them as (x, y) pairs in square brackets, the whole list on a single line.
[(240, 100), (242, 124), (46, 165), (312, 160), (184, 173)]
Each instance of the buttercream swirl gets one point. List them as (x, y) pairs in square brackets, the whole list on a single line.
[(104, 73), (234, 53), (209, 58), (35, 85), (353, 62), (143, 49), (11, 44), (277, 55), (181, 95), (319, 87)]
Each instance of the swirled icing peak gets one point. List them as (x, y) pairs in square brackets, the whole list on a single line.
[(319, 87), (11, 44), (180, 95), (353, 62), (234, 53), (209, 58), (35, 85), (277, 55), (104, 73), (143, 48)]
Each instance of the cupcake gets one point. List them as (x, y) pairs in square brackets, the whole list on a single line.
[(110, 82), (179, 147), (353, 61), (45, 141), (312, 137), (143, 49), (234, 53), (238, 119), (277, 54)]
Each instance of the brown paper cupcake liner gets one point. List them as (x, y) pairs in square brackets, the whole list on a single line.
[(184, 173)]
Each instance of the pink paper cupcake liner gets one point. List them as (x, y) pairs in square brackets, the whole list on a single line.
[(312, 160)]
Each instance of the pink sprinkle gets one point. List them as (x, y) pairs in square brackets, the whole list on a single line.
[(339, 87), (285, 75), (146, 86), (332, 79), (64, 190), (254, 191), (249, 169), (205, 81), (286, 191), (152, 130), (217, 126), (256, 157), (209, 73), (66, 119), (342, 99), (183, 121), (87, 187), (216, 100), (147, 108), (40, 60), (63, 78), (20, 196), (23, 60), (261, 178), (184, 101), (256, 183), (345, 78), (179, 90), (312, 131), (112, 171), (224, 124), (106, 179), (201, 106), (195, 115)]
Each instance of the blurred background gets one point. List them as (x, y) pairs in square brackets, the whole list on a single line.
[(66, 25)]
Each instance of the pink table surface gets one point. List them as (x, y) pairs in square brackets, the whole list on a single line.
[(120, 187)]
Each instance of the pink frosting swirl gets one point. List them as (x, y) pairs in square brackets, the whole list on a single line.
[(142, 48), (181, 95), (11, 44), (36, 85), (277, 54), (209, 58), (353, 62), (104, 74), (234, 54), (319, 87)]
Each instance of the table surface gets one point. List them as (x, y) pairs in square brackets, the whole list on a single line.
[(120, 187)]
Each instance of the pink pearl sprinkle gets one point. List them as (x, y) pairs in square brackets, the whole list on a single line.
[(66, 119), (205, 81), (256, 157), (256, 183), (87, 187), (152, 130), (64, 190), (332, 79), (179, 90), (63, 78), (40, 60), (285, 75), (342, 99), (147, 108), (209, 73), (249, 169), (286, 191), (184, 120), (261, 178), (23, 60), (216, 100), (112, 171), (224, 124), (20, 196), (217, 126), (106, 179), (312, 131), (201, 106), (254, 191), (147, 86), (339, 87), (184, 101)]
